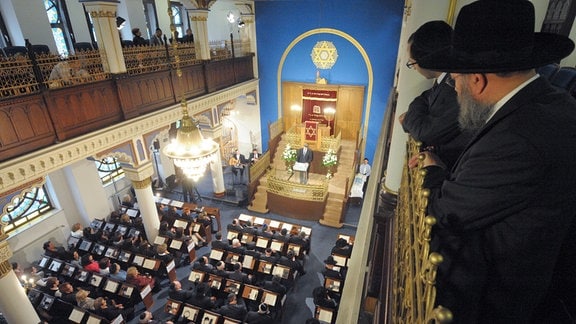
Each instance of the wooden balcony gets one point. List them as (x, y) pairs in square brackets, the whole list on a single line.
[(35, 116)]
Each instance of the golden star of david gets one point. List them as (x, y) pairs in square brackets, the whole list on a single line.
[(324, 55), (310, 131)]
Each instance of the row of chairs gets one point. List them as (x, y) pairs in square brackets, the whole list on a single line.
[(126, 258), (220, 287), (213, 212), (41, 49), (58, 311), (126, 293), (9, 51), (250, 265)]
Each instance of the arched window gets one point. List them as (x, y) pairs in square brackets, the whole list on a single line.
[(59, 22), (177, 10), (26, 209), (109, 170)]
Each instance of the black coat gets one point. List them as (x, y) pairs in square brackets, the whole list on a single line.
[(258, 318), (182, 295), (432, 118), (507, 214)]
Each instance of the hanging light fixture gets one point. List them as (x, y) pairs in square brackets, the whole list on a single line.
[(190, 151)]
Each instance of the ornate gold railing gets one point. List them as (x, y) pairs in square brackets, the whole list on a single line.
[(276, 128), (20, 75), (144, 58), (415, 268), (293, 137), (17, 77), (331, 143), (279, 183), (259, 168)]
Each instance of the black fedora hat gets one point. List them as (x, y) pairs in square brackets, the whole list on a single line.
[(497, 36)]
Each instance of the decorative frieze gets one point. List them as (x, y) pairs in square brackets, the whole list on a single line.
[(19, 171)]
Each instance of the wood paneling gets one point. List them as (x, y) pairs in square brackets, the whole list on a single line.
[(219, 74), (244, 69), (25, 126), (294, 208), (82, 109), (349, 111), (145, 93), (192, 81), (349, 106), (32, 122)]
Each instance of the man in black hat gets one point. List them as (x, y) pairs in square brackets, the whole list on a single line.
[(432, 117), (506, 213)]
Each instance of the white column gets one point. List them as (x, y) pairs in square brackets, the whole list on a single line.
[(141, 177), (87, 190), (199, 26), (103, 15), (14, 303), (249, 31), (218, 176), (410, 84)]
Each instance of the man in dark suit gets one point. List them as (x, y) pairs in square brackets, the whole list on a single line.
[(432, 117), (302, 241), (203, 298), (238, 162), (254, 156), (238, 275), (261, 316), (274, 285), (177, 293), (506, 213), (304, 155), (234, 308), (218, 244), (221, 270)]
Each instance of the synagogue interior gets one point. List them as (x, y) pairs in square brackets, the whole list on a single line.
[(217, 161)]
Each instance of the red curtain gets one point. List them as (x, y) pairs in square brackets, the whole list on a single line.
[(314, 102)]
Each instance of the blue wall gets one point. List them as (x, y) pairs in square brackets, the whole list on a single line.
[(374, 24)]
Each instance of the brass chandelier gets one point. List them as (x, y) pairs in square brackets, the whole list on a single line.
[(190, 151)]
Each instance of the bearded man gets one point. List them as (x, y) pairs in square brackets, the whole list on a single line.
[(506, 211)]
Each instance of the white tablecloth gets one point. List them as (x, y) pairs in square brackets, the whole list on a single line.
[(357, 185)]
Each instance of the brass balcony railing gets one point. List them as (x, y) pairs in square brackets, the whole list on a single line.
[(415, 267), (46, 99)]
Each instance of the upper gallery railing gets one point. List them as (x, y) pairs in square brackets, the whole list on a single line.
[(45, 99), (23, 74), (414, 266)]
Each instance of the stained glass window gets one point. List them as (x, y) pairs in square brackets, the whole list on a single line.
[(177, 13), (55, 13), (109, 170), (26, 209)]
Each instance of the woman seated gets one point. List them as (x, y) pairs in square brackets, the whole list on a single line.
[(89, 264), (135, 278), (83, 301)]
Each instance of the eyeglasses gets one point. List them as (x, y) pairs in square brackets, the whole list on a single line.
[(451, 80), (410, 64)]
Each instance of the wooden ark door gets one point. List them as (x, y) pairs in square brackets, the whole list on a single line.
[(349, 106)]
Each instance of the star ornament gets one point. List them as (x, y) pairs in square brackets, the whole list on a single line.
[(311, 131), (324, 55)]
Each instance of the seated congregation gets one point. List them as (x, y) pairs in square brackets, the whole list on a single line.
[(109, 272)]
